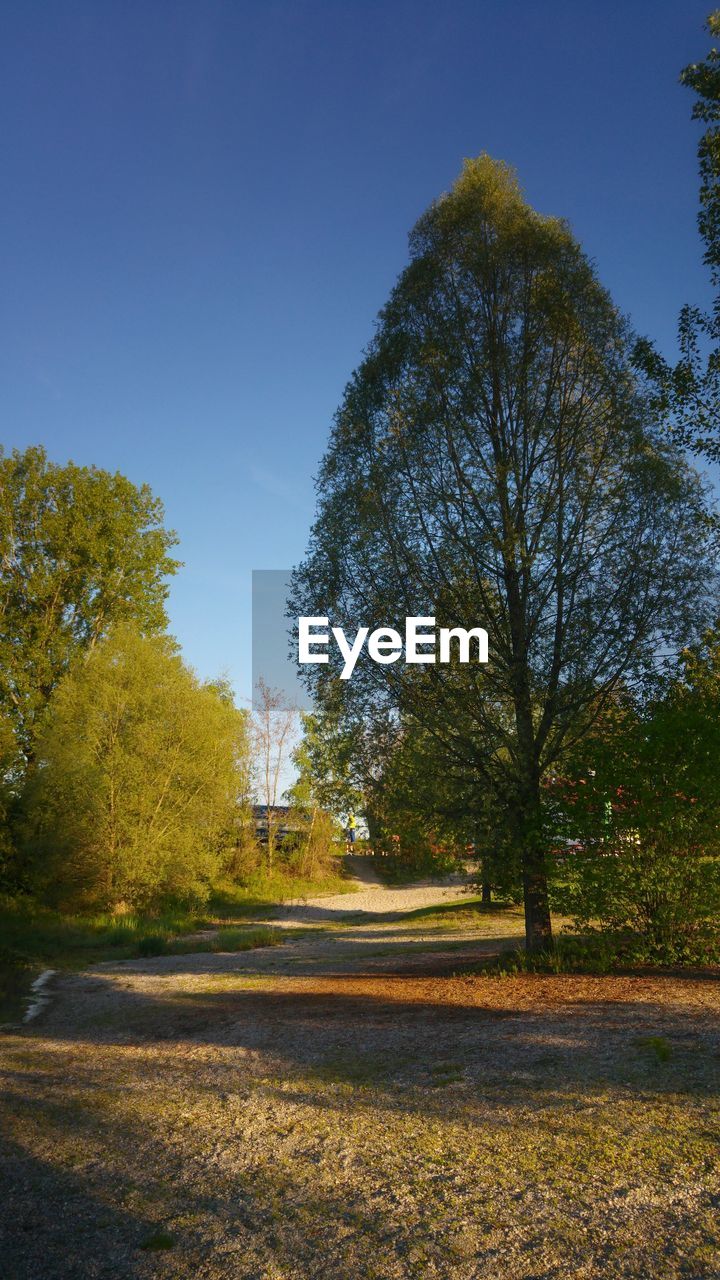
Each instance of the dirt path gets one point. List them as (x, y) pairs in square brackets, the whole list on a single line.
[(375, 898)]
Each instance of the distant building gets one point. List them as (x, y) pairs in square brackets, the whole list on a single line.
[(283, 822)]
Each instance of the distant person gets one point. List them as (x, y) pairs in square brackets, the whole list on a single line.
[(351, 831)]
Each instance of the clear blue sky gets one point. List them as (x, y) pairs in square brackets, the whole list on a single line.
[(205, 204)]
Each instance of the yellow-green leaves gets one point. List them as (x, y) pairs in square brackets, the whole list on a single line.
[(139, 770)]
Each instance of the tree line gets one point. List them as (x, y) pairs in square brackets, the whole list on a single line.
[(125, 780)]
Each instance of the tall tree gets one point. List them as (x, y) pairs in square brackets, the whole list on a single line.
[(80, 550), (492, 463), (688, 390)]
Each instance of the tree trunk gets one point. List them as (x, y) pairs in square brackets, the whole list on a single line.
[(486, 887), (538, 926)]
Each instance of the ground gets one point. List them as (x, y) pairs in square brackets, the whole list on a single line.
[(364, 1101)]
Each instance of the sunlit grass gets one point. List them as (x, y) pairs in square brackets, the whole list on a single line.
[(263, 890), (33, 936)]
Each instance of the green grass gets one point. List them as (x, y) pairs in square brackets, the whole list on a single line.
[(243, 938), (467, 913), (35, 937), (262, 891), (658, 1047), (157, 1241)]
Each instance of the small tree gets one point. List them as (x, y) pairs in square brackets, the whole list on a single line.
[(325, 759), (274, 721), (139, 769), (315, 789)]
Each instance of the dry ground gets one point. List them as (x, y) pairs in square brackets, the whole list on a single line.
[(361, 1103)]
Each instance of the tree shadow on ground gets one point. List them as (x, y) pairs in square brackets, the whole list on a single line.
[(64, 1224), (542, 1031), (132, 1105)]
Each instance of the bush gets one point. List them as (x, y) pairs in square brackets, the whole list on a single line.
[(310, 851), (404, 863), (659, 906), (639, 810), (601, 953), (567, 955)]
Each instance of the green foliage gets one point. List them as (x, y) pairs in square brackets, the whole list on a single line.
[(152, 944), (80, 550), (310, 850), (159, 1240), (321, 786), (259, 889), (667, 900), (405, 863), (596, 955), (688, 391), (419, 818), (324, 760), (139, 769), (163, 943), (642, 805), (704, 80), (246, 939), (35, 936), (10, 766), (658, 1047)]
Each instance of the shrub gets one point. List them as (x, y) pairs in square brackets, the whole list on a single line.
[(659, 905)]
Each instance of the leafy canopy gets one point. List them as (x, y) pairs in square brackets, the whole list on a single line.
[(80, 550), (493, 463)]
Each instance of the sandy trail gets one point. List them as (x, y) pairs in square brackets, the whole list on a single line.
[(373, 897)]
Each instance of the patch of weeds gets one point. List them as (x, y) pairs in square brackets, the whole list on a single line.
[(567, 955), (443, 1074), (152, 944), (360, 1068), (467, 912), (235, 982), (247, 939), (243, 938), (157, 1241), (16, 977), (260, 892), (657, 1046)]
